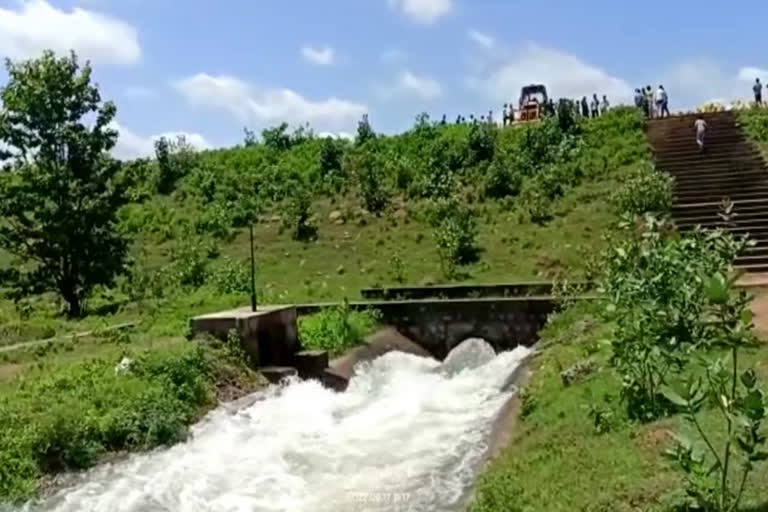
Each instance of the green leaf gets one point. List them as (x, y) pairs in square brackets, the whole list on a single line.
[(673, 397), (717, 290), (758, 456), (749, 378)]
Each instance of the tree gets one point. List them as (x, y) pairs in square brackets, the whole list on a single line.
[(364, 130), (61, 191)]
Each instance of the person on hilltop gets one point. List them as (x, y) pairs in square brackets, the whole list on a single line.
[(490, 117), (700, 125), (638, 99), (604, 105), (649, 101), (595, 106), (584, 107), (662, 101), (758, 90), (504, 114)]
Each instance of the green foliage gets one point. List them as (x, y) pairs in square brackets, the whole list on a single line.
[(655, 285), (711, 482), (455, 234), (61, 191), (755, 123), (232, 277), (365, 132), (646, 190), (336, 329), (296, 214), (66, 417), (175, 159), (374, 188)]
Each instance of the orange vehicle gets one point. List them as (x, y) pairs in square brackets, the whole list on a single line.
[(533, 101)]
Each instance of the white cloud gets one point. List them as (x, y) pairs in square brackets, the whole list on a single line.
[(481, 39), (423, 11), (696, 81), (322, 56), (138, 92), (409, 84), (131, 145), (565, 75), (35, 25), (249, 103), (749, 73)]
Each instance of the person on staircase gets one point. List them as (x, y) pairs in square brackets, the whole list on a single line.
[(595, 104), (758, 90), (662, 101), (700, 125)]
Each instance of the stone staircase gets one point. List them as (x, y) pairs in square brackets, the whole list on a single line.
[(730, 167)]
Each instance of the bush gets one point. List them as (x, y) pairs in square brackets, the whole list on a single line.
[(68, 416), (232, 277), (336, 329), (645, 190), (296, 215), (655, 286), (455, 234)]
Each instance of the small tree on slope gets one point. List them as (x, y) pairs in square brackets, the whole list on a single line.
[(60, 190)]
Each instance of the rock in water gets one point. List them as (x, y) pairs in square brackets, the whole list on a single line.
[(468, 354)]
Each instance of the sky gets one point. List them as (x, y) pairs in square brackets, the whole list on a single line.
[(208, 69)]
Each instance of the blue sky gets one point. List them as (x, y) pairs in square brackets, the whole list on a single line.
[(207, 68)]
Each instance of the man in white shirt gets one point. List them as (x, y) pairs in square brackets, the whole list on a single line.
[(701, 129), (662, 101)]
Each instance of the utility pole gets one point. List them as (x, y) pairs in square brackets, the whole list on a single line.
[(253, 273)]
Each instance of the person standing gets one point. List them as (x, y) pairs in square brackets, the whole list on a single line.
[(604, 105), (662, 101), (595, 106), (758, 90), (504, 116), (649, 101), (584, 107), (700, 125)]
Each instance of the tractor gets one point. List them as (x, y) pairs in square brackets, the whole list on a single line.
[(533, 103)]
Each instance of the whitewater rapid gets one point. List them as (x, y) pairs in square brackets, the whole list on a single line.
[(409, 434)]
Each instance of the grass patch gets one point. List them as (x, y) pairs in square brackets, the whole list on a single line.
[(336, 329), (61, 416), (575, 449)]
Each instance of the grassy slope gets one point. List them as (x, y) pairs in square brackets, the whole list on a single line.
[(344, 259), (558, 462)]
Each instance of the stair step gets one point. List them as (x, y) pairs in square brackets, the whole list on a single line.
[(276, 374)]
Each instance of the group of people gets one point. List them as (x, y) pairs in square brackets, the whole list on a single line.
[(593, 108), (653, 105)]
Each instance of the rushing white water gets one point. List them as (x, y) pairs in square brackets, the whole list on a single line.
[(407, 435)]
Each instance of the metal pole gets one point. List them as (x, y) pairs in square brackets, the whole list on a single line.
[(253, 273)]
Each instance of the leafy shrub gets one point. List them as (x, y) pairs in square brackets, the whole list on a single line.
[(374, 188), (175, 159), (455, 234), (296, 214), (365, 132), (232, 277), (655, 287), (482, 142), (68, 416), (336, 329), (740, 398), (645, 190)]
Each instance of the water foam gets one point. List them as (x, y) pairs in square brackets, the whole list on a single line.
[(408, 435)]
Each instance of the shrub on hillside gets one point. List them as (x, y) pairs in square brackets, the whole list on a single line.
[(655, 286), (68, 416), (645, 190), (175, 159), (336, 329), (296, 214), (455, 232)]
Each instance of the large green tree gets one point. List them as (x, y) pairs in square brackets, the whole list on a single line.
[(60, 190)]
